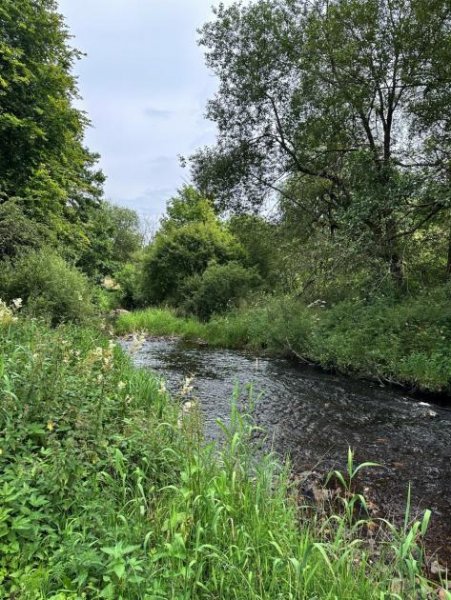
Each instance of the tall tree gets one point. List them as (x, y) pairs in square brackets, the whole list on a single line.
[(42, 157), (319, 103)]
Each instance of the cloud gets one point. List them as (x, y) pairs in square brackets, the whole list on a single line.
[(145, 87), (151, 204), (157, 113)]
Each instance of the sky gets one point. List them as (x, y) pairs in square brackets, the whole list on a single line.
[(144, 87)]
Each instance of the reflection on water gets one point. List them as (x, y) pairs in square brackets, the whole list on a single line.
[(314, 417)]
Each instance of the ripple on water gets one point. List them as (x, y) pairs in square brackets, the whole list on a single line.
[(314, 417)]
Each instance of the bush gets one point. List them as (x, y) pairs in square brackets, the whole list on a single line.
[(129, 280), (48, 286), (18, 233), (219, 288), (181, 253)]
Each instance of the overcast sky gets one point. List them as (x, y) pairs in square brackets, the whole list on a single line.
[(144, 86)]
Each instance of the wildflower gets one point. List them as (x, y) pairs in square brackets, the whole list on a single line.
[(120, 386), (95, 355), (137, 341), (6, 314), (17, 303), (50, 425), (187, 387)]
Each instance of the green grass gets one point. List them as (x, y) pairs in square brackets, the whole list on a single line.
[(159, 322), (105, 493), (405, 341)]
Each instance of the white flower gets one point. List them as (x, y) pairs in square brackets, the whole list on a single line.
[(120, 385), (17, 302)]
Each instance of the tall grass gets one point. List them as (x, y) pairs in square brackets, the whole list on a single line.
[(106, 492), (405, 341)]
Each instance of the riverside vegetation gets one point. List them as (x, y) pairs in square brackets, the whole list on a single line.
[(105, 491)]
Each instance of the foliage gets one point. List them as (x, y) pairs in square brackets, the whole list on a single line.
[(338, 108), (184, 248), (129, 281), (218, 288), (19, 233), (48, 286), (44, 167), (104, 495), (113, 237), (189, 206), (260, 239)]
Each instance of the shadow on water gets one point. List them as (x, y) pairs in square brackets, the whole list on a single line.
[(313, 417)]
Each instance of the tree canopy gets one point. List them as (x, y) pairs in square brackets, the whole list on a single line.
[(339, 107), (45, 169)]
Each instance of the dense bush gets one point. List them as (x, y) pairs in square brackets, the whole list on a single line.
[(18, 233), (181, 253), (48, 287), (129, 280), (218, 288)]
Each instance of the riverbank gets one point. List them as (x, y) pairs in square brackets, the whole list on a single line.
[(405, 342), (108, 493)]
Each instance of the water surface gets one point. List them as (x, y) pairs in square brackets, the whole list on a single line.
[(313, 417)]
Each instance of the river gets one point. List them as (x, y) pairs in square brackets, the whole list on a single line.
[(313, 417)]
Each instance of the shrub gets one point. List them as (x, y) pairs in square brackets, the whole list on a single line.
[(218, 288), (129, 280), (17, 232), (48, 286), (181, 253)]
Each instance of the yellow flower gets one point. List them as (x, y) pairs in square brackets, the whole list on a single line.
[(50, 425)]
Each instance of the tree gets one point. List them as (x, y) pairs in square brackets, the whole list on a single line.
[(325, 95), (259, 238), (181, 253), (189, 206), (112, 238), (191, 237), (43, 162), (219, 288)]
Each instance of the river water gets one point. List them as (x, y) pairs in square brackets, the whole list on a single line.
[(313, 417)]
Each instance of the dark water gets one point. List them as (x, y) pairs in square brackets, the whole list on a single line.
[(314, 417)]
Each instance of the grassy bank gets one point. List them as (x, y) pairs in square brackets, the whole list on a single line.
[(405, 341), (106, 494)]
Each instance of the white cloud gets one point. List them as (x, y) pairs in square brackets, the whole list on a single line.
[(144, 87)]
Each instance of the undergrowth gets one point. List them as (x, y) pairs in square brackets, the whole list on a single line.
[(107, 492)]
